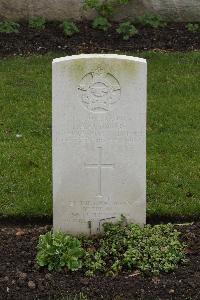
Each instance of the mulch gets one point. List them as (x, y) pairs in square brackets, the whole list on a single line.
[(21, 279), (174, 37)]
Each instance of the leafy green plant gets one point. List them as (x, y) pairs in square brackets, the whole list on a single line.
[(123, 247), (193, 27), (58, 250), (37, 23), (150, 249), (127, 30), (9, 27), (69, 28), (104, 9), (151, 21), (101, 23)]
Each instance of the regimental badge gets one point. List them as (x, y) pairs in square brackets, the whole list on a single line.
[(99, 91)]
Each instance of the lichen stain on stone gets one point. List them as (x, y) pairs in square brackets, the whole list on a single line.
[(80, 67), (77, 68), (128, 68)]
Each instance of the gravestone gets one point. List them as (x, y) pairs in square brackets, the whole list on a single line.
[(99, 141)]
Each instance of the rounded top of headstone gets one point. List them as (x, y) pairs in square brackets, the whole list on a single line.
[(95, 56)]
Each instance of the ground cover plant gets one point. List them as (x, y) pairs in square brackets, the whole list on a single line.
[(105, 10), (151, 20), (69, 28), (173, 135), (127, 30), (101, 23), (193, 27), (9, 27), (58, 250), (149, 250), (37, 23)]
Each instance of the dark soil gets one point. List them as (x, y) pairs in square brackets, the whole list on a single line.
[(21, 279), (173, 37), (43, 220)]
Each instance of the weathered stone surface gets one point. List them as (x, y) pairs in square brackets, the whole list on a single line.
[(99, 141), (50, 9), (171, 10), (174, 10), (14, 9)]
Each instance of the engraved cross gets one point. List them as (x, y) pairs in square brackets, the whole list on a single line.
[(100, 166)]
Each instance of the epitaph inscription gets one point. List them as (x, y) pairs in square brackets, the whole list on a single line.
[(99, 91)]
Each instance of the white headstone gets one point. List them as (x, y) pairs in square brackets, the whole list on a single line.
[(99, 141)]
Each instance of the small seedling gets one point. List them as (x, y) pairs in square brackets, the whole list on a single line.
[(151, 21), (9, 27), (69, 28), (101, 23), (193, 27), (127, 30), (37, 23), (104, 8)]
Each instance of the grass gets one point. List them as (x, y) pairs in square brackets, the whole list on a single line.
[(173, 140)]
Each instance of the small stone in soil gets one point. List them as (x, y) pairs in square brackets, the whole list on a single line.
[(48, 276), (20, 232), (31, 284), (6, 278), (22, 275), (84, 281)]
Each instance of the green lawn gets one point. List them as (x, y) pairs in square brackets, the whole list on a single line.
[(173, 148)]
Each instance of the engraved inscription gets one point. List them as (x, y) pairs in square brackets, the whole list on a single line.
[(103, 128), (99, 91), (100, 166)]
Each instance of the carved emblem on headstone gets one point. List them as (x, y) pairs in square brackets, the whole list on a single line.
[(99, 91)]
